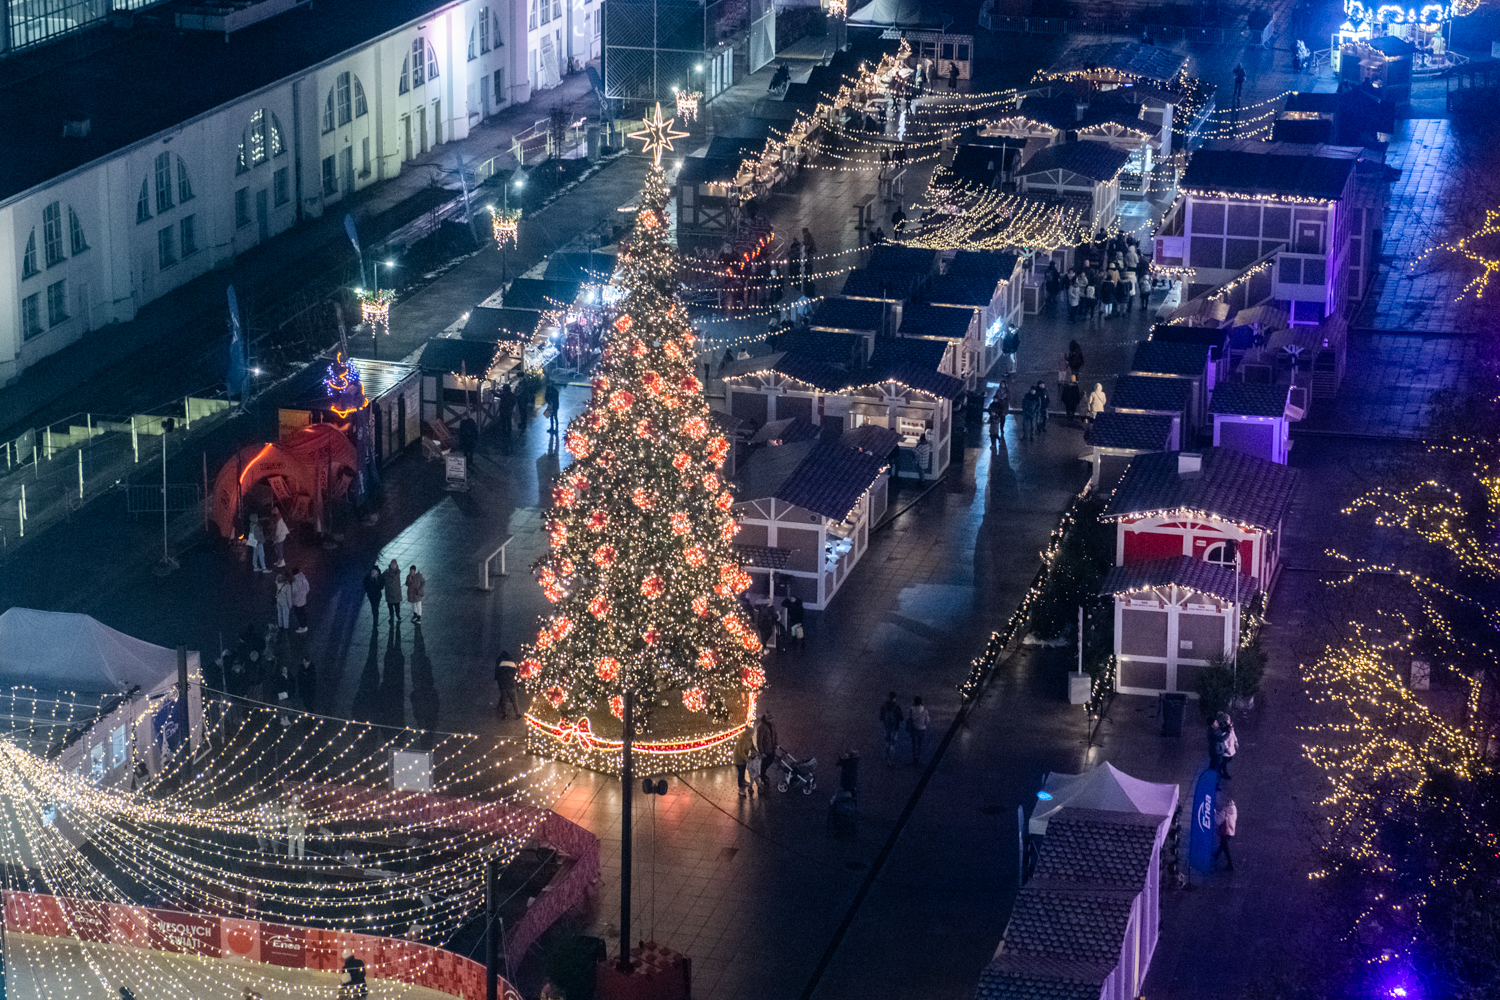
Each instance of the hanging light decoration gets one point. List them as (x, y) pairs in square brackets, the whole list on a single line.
[(838, 8), (687, 105), (505, 222), (375, 308)]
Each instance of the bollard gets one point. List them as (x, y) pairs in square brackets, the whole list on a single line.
[(80, 473), (49, 443), (187, 411), (135, 443), (34, 470), (21, 509)]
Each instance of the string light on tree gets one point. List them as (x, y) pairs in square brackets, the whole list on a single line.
[(1482, 247)]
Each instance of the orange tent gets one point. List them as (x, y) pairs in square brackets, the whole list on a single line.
[(301, 475)]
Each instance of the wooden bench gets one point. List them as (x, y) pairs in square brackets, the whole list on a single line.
[(865, 212)]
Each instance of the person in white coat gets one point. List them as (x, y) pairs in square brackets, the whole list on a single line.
[(1093, 403), (1225, 817)]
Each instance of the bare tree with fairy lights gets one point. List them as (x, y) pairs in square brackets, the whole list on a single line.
[(642, 568)]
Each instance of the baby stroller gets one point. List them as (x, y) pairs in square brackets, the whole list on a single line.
[(799, 773)]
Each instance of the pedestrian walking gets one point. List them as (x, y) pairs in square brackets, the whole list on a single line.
[(1107, 297), (1094, 404), (796, 619), (468, 438), (891, 718), (505, 682), (392, 578), (1075, 300), (279, 532), (1130, 287), (1089, 302), (307, 684), (300, 590), (898, 219), (296, 828), (1029, 403), (743, 753), (1074, 356), (809, 247), (1226, 817), (999, 406), (416, 585), (916, 725), (765, 746), (953, 76), (374, 585), (554, 405), (1043, 402), (283, 602), (505, 402), (1239, 81), (1071, 397), (255, 537), (1229, 744)]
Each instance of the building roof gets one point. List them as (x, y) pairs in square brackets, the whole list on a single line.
[(1041, 979), (825, 476), (1161, 393), (449, 354), (1215, 338), (1098, 849), (990, 265), (788, 431), (919, 319), (979, 164), (1107, 112), (1231, 485), (1246, 399), (1318, 104), (866, 283), (1163, 357), (1302, 130), (763, 556), (737, 149), (1086, 926), (849, 314), (541, 293), (894, 258), (913, 361), (1186, 572), (1131, 431), (792, 364), (1057, 110), (1097, 161), (1146, 62), (304, 389), (153, 77), (872, 438), (961, 290), (704, 170), (831, 347), (486, 323), (1256, 168)]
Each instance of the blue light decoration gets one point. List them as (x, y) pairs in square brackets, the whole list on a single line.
[(1204, 835), (1044, 796), (345, 390), (1368, 15)]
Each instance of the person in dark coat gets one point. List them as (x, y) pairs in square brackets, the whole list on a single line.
[(1074, 356), (1043, 401), (307, 684), (953, 76), (505, 681), (1071, 396), (374, 588), (998, 408), (796, 619), (765, 745), (554, 405), (1029, 404), (392, 580), (468, 438), (505, 402)]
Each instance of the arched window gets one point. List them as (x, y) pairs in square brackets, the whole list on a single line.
[(360, 107), (260, 142), (29, 268), (184, 186), (344, 103), (420, 66), (531, 18), (143, 203), (1221, 553), (479, 35), (75, 232)]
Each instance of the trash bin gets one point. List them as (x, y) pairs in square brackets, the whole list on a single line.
[(1173, 708)]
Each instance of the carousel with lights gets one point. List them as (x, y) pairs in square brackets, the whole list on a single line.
[(641, 571)]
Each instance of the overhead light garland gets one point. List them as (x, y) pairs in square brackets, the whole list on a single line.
[(505, 226), (375, 308)]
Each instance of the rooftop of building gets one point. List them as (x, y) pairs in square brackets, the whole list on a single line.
[(1276, 169), (1094, 160), (1160, 393), (151, 77), (1197, 575), (1130, 431), (1229, 485)]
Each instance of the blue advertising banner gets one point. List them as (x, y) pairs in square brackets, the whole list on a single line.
[(1205, 798)]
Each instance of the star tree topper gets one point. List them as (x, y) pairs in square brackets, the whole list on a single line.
[(657, 134)]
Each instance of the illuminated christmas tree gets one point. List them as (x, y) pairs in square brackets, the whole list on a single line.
[(642, 568)]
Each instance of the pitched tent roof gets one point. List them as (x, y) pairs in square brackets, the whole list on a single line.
[(1246, 399), (541, 294), (1147, 62), (792, 364), (54, 651), (831, 347), (985, 264), (1056, 110), (1162, 393), (1097, 161), (919, 319), (894, 14), (447, 354), (849, 314), (961, 290), (1231, 485), (897, 259), (895, 286), (1102, 787), (825, 476), (489, 324), (1183, 571), (979, 164), (1131, 431), (1253, 167), (702, 170), (913, 362), (1161, 357), (1216, 338)]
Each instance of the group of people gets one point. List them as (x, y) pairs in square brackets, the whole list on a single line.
[(1223, 744), (1104, 287), (388, 585), (255, 670), (281, 822), (754, 753), (914, 721), (1037, 400), (272, 531)]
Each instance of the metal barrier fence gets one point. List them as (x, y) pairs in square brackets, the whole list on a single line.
[(49, 472)]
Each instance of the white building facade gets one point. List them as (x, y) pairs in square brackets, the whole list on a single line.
[(94, 245)]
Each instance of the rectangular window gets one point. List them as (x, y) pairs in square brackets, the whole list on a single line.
[(166, 244), (947, 50), (163, 182), (557, 10), (330, 177), (57, 302), (242, 207), (345, 99), (963, 52), (283, 190), (364, 157), (52, 229), (143, 205), (188, 230), (531, 18), (418, 62), (31, 314), (599, 25), (546, 12)]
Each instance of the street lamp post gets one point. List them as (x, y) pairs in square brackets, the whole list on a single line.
[(627, 781), (168, 425)]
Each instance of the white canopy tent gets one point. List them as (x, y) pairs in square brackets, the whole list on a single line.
[(1102, 787), (77, 666)]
